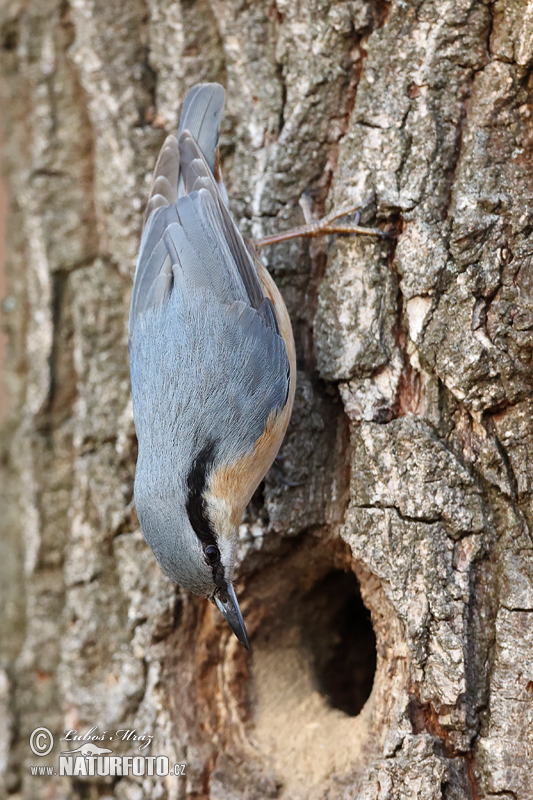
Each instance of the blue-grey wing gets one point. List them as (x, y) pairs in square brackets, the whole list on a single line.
[(197, 176), (201, 114), (203, 371), (198, 265), (182, 169), (192, 255)]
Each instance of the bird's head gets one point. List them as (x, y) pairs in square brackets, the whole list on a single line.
[(193, 536)]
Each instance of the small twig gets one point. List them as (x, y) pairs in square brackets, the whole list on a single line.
[(324, 226)]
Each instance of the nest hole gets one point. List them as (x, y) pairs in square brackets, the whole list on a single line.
[(313, 666), (341, 639)]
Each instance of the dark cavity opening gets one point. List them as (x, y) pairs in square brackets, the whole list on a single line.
[(341, 639)]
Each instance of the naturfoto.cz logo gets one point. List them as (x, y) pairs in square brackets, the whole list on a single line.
[(92, 760)]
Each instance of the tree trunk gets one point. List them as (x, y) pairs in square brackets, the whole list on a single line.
[(404, 478)]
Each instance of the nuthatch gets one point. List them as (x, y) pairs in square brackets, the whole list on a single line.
[(212, 364)]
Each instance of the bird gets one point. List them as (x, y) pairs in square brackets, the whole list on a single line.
[(88, 750), (212, 363)]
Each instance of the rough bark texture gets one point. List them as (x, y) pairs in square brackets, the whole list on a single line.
[(409, 454)]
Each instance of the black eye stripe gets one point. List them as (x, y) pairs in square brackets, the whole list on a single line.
[(195, 504), (197, 511)]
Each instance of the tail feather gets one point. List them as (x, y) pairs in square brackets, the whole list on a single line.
[(188, 218), (164, 188), (201, 116)]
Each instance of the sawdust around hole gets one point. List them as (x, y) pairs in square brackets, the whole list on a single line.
[(305, 740)]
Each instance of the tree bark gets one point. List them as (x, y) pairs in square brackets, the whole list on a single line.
[(407, 461)]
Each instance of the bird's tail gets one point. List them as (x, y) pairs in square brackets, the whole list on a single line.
[(200, 116)]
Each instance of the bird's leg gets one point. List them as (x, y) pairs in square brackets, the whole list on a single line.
[(324, 226), (306, 204)]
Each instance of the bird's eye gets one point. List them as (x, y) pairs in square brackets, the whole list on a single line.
[(212, 553)]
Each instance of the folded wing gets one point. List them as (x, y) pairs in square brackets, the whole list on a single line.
[(190, 242)]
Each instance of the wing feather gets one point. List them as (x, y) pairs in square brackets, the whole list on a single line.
[(191, 246), (194, 166)]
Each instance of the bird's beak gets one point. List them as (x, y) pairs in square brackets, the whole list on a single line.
[(232, 612)]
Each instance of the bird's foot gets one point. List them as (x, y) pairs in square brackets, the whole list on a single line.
[(324, 226)]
